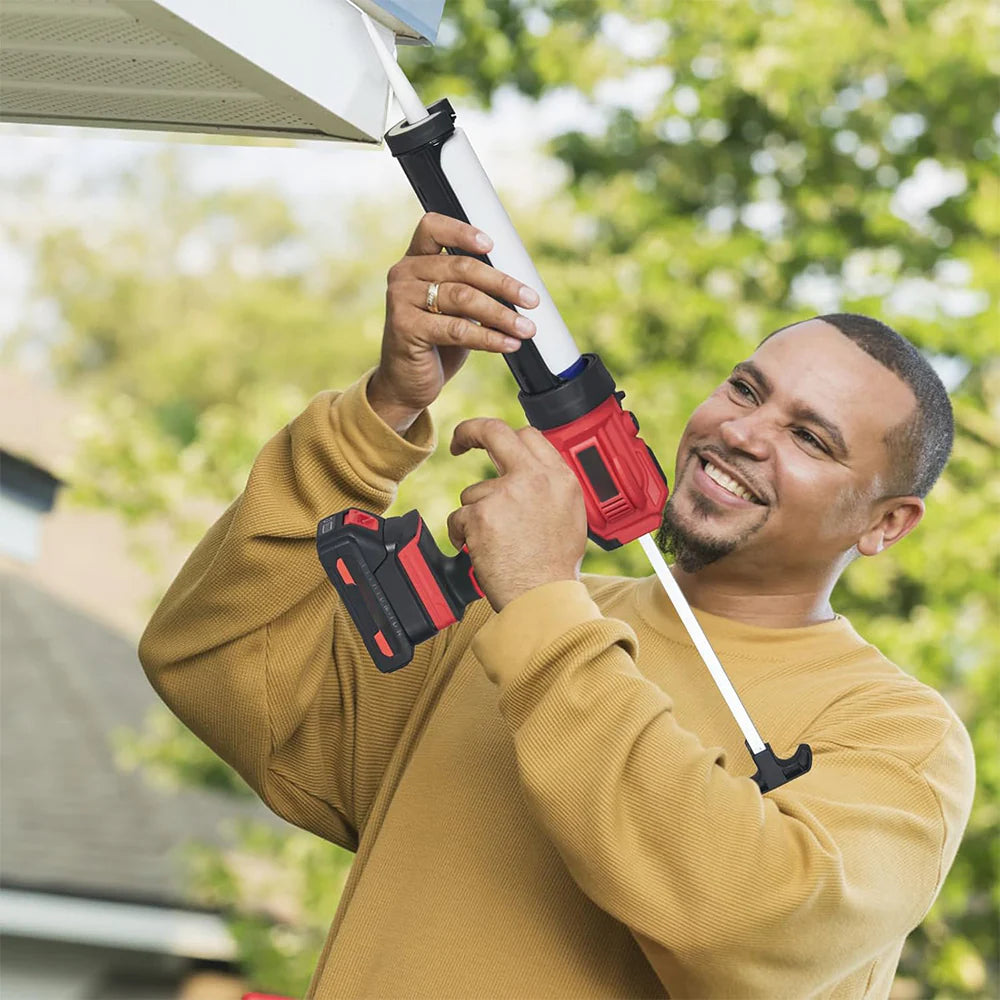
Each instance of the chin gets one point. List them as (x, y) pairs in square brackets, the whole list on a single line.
[(702, 533)]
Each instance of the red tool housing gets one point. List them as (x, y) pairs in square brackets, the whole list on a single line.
[(624, 487)]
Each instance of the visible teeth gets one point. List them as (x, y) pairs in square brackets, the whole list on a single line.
[(727, 482)]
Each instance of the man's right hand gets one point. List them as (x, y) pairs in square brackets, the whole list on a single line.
[(421, 350)]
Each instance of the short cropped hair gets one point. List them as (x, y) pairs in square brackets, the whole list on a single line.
[(919, 445)]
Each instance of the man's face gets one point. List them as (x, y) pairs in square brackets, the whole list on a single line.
[(779, 470)]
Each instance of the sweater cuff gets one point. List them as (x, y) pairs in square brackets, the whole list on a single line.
[(533, 620), (379, 455)]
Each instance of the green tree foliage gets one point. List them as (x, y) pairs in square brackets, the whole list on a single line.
[(742, 165)]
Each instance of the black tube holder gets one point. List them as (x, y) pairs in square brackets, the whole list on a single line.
[(773, 771)]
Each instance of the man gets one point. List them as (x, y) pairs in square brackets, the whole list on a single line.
[(552, 798)]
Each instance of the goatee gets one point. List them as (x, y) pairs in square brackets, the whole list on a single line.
[(687, 550)]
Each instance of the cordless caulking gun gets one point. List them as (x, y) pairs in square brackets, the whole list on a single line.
[(397, 585)]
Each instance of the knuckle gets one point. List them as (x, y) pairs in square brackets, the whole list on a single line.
[(503, 317), (454, 329), (464, 266), (462, 295), (394, 304), (509, 288)]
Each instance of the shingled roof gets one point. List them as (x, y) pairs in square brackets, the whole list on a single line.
[(71, 820)]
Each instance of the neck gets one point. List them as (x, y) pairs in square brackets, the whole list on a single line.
[(755, 600)]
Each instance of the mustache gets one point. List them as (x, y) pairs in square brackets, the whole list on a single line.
[(733, 462)]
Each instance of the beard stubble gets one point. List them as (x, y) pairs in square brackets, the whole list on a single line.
[(692, 551)]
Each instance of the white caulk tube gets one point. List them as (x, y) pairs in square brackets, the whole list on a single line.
[(465, 173), (439, 161)]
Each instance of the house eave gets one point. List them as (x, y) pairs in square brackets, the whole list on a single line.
[(164, 930)]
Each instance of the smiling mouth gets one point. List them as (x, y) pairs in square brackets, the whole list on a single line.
[(727, 482)]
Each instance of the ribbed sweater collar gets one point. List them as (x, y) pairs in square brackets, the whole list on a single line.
[(736, 640)]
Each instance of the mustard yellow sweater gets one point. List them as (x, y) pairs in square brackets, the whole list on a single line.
[(554, 801)]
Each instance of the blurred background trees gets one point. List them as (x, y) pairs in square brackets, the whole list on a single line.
[(728, 167)]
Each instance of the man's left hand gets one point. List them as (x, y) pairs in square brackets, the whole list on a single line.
[(527, 527)]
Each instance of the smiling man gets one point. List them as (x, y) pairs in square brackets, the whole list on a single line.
[(552, 799), (817, 449)]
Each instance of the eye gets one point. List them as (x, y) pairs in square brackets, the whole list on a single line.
[(810, 439), (743, 389)]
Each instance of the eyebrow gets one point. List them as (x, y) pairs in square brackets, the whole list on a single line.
[(800, 410)]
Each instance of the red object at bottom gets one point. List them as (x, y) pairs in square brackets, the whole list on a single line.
[(264, 996)]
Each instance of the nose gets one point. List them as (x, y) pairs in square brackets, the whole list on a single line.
[(747, 434)]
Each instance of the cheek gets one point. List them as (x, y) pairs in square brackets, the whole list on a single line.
[(817, 498), (849, 508), (684, 447), (703, 423)]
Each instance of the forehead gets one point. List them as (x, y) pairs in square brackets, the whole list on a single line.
[(814, 364)]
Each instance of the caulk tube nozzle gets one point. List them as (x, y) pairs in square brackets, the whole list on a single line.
[(408, 98)]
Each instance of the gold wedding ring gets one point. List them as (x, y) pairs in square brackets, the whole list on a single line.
[(432, 298)]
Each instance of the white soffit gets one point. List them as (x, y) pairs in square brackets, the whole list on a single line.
[(294, 68)]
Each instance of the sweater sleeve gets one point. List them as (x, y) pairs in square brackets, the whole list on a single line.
[(728, 892), (251, 646)]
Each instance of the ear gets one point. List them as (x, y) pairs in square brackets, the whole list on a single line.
[(899, 517)]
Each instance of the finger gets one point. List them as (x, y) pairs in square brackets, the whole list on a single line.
[(532, 442), (456, 528), (464, 300), (434, 232), (469, 271), (477, 491), (542, 448), (458, 331), (499, 440)]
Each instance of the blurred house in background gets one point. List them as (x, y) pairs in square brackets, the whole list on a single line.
[(92, 901)]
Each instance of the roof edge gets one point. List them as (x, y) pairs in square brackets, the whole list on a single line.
[(53, 916)]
